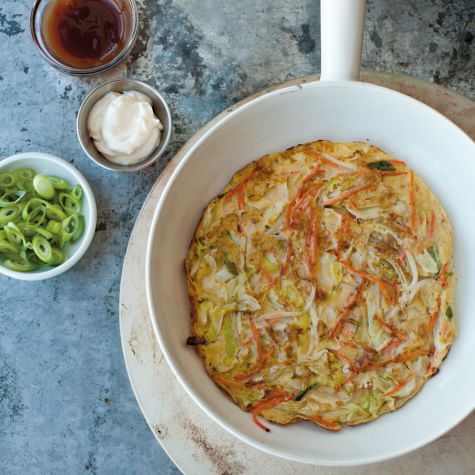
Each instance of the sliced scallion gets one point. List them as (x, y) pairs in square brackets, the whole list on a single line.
[(58, 182), (6, 180), (24, 174), (69, 203), (42, 248), (43, 187), (39, 215), (19, 266), (9, 213)]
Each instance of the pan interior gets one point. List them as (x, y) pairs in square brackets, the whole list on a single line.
[(438, 151)]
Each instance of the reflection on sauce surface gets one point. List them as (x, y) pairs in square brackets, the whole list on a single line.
[(86, 33)]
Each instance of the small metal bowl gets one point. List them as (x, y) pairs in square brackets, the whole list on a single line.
[(37, 17), (160, 109)]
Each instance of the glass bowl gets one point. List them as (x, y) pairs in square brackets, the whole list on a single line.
[(38, 16)]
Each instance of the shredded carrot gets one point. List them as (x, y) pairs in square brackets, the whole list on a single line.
[(256, 336), (400, 334), (239, 190), (342, 356), (443, 275), (247, 342), (342, 230), (401, 358), (258, 422), (288, 255), (291, 206), (309, 235), (327, 424), (315, 245), (346, 195), (434, 315), (242, 376), (308, 193), (372, 278), (395, 289), (412, 198), (226, 382), (393, 172), (394, 343), (396, 388), (266, 404), (347, 310), (311, 248), (266, 274), (431, 225), (396, 162), (330, 163), (346, 380), (241, 196), (349, 343)]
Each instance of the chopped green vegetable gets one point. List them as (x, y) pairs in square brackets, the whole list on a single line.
[(231, 266), (449, 312), (69, 204), (36, 221), (77, 192), (18, 266), (43, 187), (229, 340), (11, 197), (42, 249), (9, 213), (269, 265), (434, 253), (6, 180), (24, 174), (382, 165), (301, 394), (58, 182), (55, 212)]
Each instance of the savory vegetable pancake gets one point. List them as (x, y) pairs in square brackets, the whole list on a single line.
[(321, 285)]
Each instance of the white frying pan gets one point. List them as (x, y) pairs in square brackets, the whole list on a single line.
[(336, 108)]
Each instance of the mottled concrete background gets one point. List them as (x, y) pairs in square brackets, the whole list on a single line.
[(65, 401)]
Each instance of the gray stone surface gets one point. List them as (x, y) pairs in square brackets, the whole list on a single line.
[(65, 401)]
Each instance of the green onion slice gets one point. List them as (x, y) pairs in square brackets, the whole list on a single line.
[(55, 212), (53, 226), (42, 248), (39, 230), (9, 213), (77, 192), (69, 203), (6, 180), (19, 266), (36, 217), (25, 185), (70, 227), (58, 256), (32, 204), (43, 187), (7, 247), (58, 182), (11, 197), (80, 229), (24, 174), (14, 235)]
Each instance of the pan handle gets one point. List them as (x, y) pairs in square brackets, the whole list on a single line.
[(342, 23)]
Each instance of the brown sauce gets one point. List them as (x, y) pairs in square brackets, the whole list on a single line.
[(86, 33)]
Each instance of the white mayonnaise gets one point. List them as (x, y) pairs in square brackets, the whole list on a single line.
[(124, 128)]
